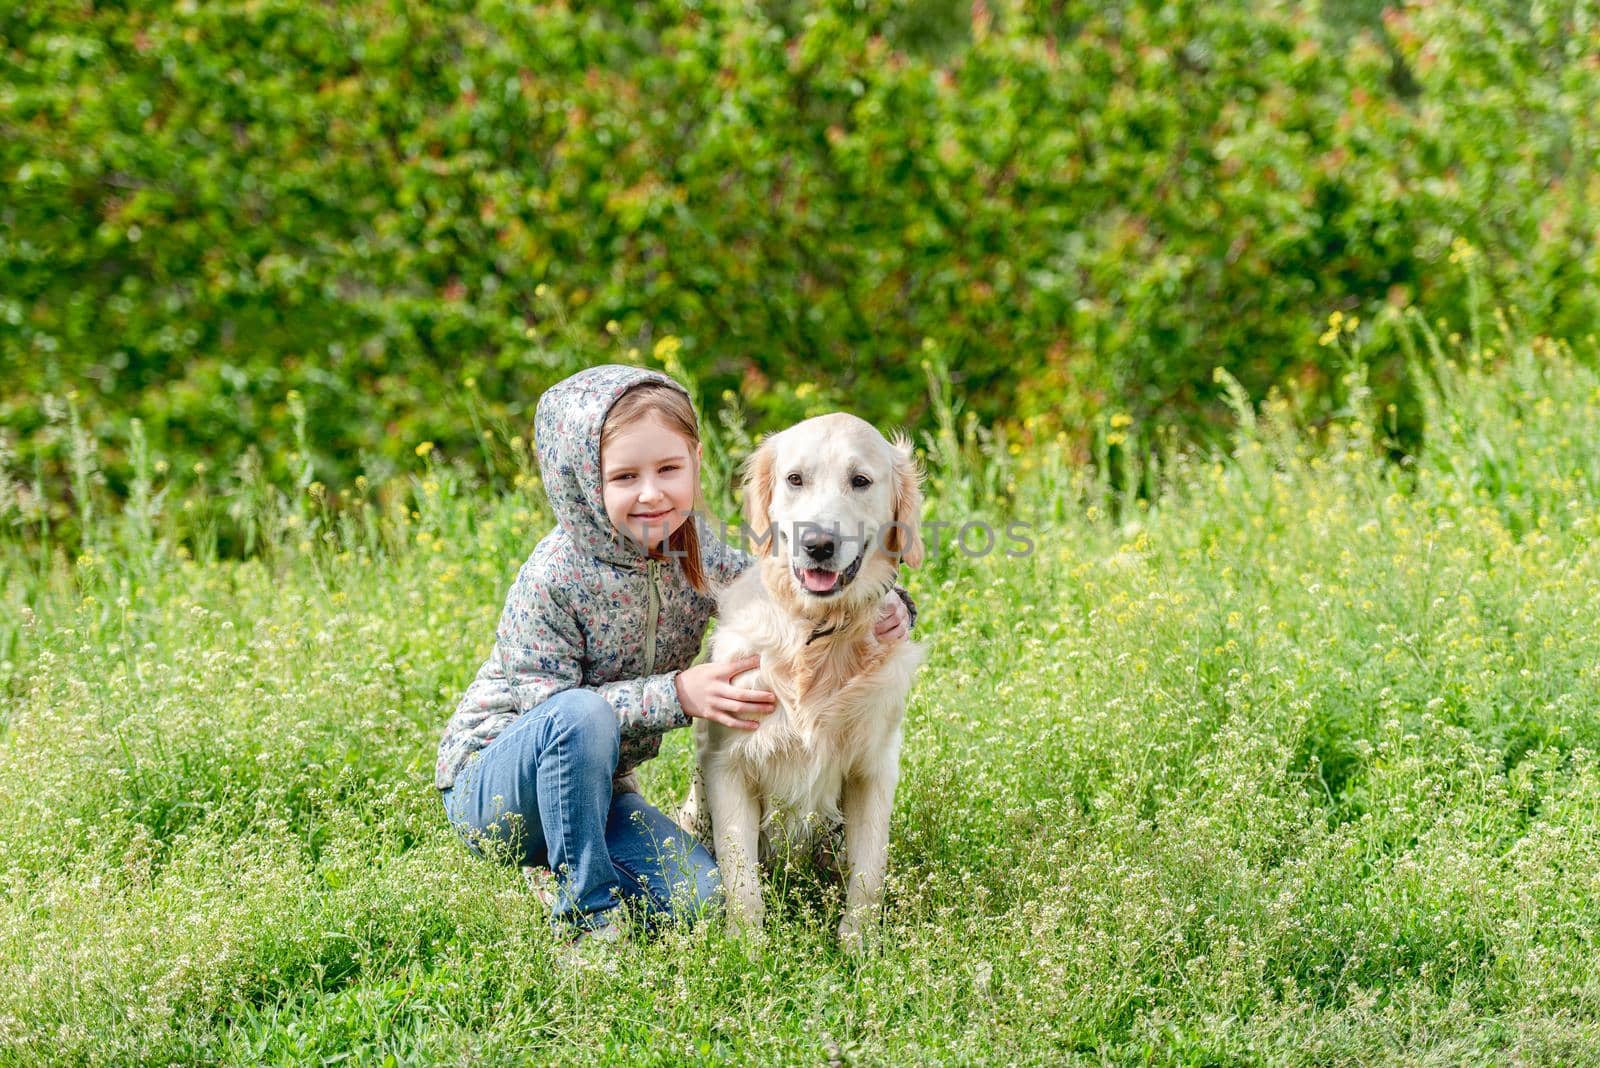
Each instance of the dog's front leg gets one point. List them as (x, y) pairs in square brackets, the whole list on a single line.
[(736, 828), (867, 803)]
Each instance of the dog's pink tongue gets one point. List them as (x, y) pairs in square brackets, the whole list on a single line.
[(819, 581)]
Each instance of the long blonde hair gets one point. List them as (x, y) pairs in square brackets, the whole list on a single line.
[(674, 409)]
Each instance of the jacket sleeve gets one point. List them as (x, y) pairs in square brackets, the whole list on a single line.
[(647, 705), (541, 651)]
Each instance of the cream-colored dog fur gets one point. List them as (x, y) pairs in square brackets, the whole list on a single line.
[(831, 749)]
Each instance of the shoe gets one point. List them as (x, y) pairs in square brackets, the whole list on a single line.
[(593, 948), (542, 884)]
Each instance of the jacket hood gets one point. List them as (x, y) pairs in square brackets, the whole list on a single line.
[(566, 432)]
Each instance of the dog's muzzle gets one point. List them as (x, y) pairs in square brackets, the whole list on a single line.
[(826, 582)]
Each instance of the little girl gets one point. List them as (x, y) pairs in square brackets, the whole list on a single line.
[(591, 659)]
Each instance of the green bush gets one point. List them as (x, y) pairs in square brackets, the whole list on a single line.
[(419, 215)]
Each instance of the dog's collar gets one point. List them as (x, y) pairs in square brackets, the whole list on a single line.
[(823, 632)]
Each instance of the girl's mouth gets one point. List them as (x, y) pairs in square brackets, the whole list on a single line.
[(653, 515)]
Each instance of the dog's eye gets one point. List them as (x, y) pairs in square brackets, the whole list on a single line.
[(794, 478), (861, 482)]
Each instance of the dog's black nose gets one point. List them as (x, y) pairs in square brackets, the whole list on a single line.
[(818, 545)]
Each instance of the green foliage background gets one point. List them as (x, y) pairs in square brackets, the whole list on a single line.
[(418, 215)]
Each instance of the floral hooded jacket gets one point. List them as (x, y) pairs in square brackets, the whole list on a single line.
[(589, 608)]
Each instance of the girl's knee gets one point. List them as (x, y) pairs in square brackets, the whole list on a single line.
[(587, 723)]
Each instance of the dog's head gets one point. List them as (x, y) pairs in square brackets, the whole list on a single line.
[(841, 505)]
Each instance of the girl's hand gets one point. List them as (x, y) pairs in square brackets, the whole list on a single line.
[(706, 691), (893, 621)]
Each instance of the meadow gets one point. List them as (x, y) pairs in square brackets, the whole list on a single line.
[(1279, 754)]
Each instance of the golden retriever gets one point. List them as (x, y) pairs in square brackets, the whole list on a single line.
[(842, 506)]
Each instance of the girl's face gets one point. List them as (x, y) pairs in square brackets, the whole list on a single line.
[(649, 474)]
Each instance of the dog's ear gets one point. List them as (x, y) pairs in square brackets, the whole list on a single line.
[(758, 494), (905, 536)]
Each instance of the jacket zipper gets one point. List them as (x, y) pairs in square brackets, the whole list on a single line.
[(654, 571)]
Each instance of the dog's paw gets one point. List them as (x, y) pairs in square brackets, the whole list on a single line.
[(857, 935), (747, 920), (753, 933)]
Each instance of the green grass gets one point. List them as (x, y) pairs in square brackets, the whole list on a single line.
[(1292, 761)]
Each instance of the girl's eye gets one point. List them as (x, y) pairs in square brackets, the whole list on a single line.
[(794, 478), (670, 467), (861, 482)]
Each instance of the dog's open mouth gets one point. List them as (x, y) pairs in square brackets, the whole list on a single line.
[(822, 583)]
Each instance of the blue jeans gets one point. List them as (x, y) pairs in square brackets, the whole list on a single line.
[(540, 794)]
